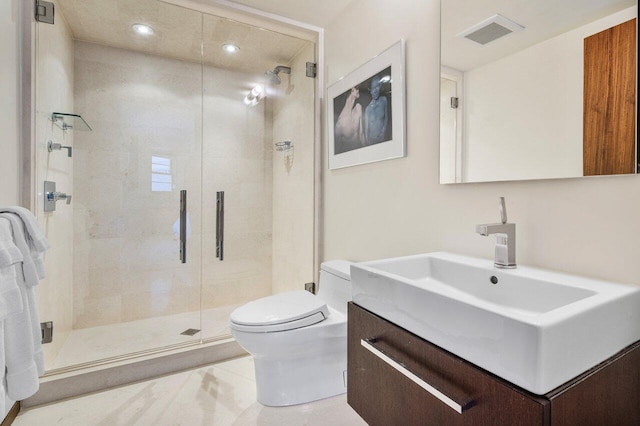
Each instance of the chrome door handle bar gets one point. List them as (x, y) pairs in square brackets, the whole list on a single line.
[(220, 225), (183, 226)]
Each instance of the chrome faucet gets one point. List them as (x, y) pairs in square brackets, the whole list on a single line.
[(505, 256)]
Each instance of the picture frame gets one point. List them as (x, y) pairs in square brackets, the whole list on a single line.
[(366, 112)]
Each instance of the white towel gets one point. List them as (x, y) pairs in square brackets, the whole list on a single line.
[(10, 298), (36, 239), (29, 269), (22, 336), (9, 253), (31, 278), (21, 368), (35, 235)]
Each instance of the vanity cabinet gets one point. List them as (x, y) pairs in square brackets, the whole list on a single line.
[(397, 378)]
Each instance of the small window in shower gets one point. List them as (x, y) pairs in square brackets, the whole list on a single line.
[(160, 174)]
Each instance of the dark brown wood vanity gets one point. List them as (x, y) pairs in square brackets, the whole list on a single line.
[(608, 394)]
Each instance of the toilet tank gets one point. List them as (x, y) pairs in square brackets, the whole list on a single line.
[(335, 284)]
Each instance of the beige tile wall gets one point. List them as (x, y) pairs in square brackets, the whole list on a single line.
[(237, 160), (126, 254), (54, 85), (293, 177)]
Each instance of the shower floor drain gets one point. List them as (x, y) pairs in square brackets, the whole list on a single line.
[(190, 331)]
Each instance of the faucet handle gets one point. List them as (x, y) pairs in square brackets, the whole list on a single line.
[(58, 147), (57, 196), (503, 210)]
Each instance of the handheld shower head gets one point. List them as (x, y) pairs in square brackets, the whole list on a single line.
[(273, 77)]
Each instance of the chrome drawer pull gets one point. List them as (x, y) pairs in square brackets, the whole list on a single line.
[(368, 344)]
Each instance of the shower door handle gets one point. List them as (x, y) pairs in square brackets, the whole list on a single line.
[(183, 226), (220, 225)]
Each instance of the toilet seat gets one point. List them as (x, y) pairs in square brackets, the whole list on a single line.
[(280, 312)]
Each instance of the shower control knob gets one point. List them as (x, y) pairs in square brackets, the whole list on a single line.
[(58, 147), (51, 196), (57, 196)]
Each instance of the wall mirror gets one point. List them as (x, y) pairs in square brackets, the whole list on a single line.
[(537, 89)]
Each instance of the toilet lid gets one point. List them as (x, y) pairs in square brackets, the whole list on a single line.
[(280, 312)]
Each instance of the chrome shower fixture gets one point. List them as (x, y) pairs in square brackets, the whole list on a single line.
[(273, 76), (284, 146), (255, 95)]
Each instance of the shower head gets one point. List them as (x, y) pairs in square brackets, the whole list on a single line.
[(273, 77)]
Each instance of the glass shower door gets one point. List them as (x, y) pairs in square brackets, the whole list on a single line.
[(127, 291), (267, 226)]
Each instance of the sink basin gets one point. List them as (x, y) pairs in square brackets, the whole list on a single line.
[(534, 328)]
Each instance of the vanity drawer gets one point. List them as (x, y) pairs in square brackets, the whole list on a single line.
[(395, 377)]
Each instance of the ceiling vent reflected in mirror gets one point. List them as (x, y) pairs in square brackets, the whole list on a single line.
[(491, 29)]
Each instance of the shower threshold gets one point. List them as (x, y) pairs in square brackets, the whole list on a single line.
[(94, 345)]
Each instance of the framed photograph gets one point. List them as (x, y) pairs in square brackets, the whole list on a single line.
[(366, 112)]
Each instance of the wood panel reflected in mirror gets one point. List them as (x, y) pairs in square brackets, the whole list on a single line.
[(539, 90), (609, 101)]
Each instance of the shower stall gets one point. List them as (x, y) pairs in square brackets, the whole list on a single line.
[(166, 126)]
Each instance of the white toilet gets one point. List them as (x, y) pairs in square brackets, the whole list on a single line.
[(298, 340)]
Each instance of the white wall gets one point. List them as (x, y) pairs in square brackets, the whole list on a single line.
[(586, 226), (9, 102), (542, 84)]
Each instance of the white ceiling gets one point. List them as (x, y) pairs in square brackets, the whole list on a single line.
[(178, 33), (542, 20), (315, 12), (178, 30)]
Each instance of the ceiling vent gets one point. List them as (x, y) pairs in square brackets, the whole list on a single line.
[(491, 29)]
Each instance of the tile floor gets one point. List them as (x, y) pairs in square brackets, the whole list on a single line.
[(96, 343), (218, 394)]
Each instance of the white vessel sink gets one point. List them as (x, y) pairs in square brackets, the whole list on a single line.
[(534, 328)]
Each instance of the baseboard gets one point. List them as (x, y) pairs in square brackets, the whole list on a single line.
[(11, 415), (56, 388)]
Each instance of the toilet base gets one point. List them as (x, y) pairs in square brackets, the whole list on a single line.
[(290, 382)]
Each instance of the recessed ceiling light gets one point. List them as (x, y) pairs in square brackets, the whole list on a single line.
[(142, 29), (230, 48)]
